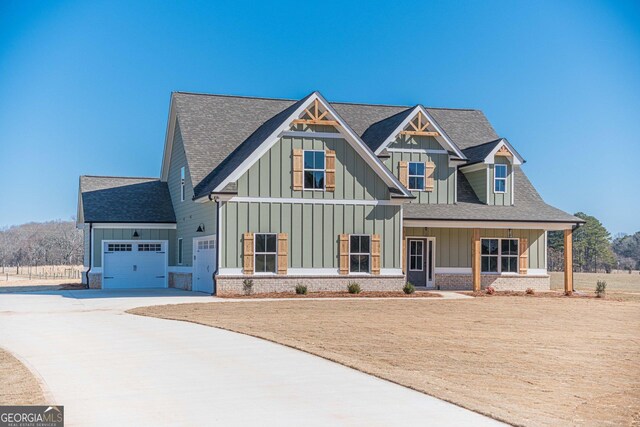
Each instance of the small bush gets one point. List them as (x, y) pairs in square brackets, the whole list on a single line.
[(601, 288), (354, 288), (490, 290), (530, 291), (247, 286), (409, 288), (301, 289), (568, 293)]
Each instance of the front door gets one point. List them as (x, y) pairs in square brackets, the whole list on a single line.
[(204, 263), (420, 257)]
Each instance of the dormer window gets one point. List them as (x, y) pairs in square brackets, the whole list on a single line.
[(314, 170), (500, 179), (416, 176), (182, 184)]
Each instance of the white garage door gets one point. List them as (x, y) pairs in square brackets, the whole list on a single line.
[(137, 264)]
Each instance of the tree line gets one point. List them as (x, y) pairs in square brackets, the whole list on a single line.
[(41, 243), (594, 249)]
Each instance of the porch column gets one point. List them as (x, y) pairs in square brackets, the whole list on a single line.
[(568, 260), (475, 259)]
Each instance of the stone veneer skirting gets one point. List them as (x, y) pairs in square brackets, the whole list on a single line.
[(500, 283), (232, 285), (180, 281), (95, 280)]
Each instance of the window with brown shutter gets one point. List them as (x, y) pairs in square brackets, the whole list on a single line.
[(524, 256), (403, 174), (247, 266), (330, 171), (297, 169), (343, 251), (429, 169), (375, 254), (283, 251)]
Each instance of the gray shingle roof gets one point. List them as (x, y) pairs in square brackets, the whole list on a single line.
[(480, 152), (528, 206), (124, 199)]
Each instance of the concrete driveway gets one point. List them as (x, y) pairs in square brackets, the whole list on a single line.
[(111, 368)]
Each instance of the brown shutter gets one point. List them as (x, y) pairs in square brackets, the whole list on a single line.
[(429, 169), (375, 254), (524, 255), (283, 251), (344, 254), (297, 169), (403, 173), (248, 253), (330, 170)]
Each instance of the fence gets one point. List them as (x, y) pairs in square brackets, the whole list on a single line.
[(46, 272)]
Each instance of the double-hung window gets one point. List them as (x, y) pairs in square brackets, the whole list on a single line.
[(416, 176), (500, 179), (265, 252), (182, 174), (499, 255), (314, 170), (359, 253)]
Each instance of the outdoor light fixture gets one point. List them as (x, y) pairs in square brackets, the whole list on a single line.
[(200, 228), (510, 233), (135, 233)]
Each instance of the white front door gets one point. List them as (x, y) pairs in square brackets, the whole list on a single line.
[(204, 249), (134, 264)]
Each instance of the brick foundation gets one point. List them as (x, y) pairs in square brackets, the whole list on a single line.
[(180, 281), (500, 283), (232, 285), (95, 280)]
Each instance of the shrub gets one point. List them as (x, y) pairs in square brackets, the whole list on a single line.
[(247, 286), (530, 291), (409, 288), (490, 290), (568, 293), (301, 289), (601, 288), (354, 288)]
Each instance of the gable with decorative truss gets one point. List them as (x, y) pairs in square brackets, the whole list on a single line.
[(420, 126)]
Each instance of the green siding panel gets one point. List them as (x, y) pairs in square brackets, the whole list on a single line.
[(478, 181)]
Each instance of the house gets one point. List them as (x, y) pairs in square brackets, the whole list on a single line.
[(285, 192)]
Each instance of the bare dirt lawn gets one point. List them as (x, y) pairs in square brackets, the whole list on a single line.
[(19, 385), (526, 361)]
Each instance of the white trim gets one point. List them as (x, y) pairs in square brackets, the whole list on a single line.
[(473, 167), (537, 272), (417, 150), (165, 246), (496, 178), (515, 157), (513, 186), (255, 253), (424, 176), (359, 273), (145, 226), (314, 272), (323, 170), (359, 146), (96, 270), (488, 175), (314, 201), (443, 138), (551, 226), (409, 254), (230, 272), (453, 270), (220, 241), (301, 134), (455, 186), (180, 269), (499, 256)]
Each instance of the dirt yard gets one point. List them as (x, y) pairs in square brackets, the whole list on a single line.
[(19, 385), (526, 361)]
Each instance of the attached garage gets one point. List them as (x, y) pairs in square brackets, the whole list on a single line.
[(134, 264)]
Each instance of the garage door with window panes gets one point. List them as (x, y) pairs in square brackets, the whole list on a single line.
[(134, 265), (500, 255)]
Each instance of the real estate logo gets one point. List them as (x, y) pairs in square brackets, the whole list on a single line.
[(31, 416)]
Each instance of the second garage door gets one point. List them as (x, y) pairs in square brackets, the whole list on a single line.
[(136, 264)]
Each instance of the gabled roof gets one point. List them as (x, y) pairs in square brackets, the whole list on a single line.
[(124, 199), (483, 152)]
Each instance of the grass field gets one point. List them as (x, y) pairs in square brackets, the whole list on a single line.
[(526, 361), (19, 385), (619, 285)]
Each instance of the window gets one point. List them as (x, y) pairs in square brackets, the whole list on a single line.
[(180, 251), (182, 184), (206, 244), (416, 176), (500, 179), (359, 253), (119, 247), (416, 255), (314, 172), (265, 253), (149, 247), (499, 255)]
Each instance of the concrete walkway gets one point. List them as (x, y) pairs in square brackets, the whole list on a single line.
[(111, 368)]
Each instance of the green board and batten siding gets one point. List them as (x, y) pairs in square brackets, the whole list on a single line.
[(478, 181), (501, 199), (453, 245), (444, 175), (189, 214), (101, 234)]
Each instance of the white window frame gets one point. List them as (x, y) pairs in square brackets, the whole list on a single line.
[(423, 176), (360, 253), (417, 256), (182, 180), (324, 171), (255, 253), (180, 251), (500, 256), (496, 179)]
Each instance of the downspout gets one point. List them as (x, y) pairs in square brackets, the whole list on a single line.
[(215, 273), (90, 248)]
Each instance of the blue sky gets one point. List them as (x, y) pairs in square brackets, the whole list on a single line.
[(85, 86)]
